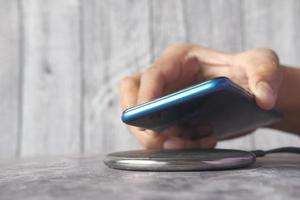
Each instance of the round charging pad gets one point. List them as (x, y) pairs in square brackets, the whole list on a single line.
[(180, 160)]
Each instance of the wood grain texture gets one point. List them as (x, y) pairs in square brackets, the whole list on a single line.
[(275, 25), (217, 24), (168, 25), (10, 71), (116, 44), (52, 87), (61, 62), (273, 177)]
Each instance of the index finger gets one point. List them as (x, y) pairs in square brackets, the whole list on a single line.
[(178, 67), (128, 90)]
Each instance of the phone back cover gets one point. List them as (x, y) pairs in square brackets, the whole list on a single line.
[(229, 111)]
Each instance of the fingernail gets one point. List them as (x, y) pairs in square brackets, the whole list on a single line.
[(265, 94), (173, 143)]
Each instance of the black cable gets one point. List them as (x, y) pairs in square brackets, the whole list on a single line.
[(261, 153)]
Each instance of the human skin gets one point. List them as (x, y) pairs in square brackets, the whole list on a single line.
[(181, 65)]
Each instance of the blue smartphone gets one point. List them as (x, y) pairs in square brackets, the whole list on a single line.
[(219, 103)]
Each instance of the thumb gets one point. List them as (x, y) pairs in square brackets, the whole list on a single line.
[(265, 95), (264, 82)]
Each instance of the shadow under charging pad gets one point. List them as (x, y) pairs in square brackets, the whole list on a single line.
[(180, 160)]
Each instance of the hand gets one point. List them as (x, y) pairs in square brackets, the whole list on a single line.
[(182, 65)]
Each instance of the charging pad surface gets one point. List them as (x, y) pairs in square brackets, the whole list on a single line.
[(180, 160)]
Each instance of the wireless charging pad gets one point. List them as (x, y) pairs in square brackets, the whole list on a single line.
[(180, 160)]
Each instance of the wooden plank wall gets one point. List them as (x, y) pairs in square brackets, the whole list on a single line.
[(60, 62), (10, 78)]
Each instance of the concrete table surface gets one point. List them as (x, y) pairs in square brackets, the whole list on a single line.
[(272, 177)]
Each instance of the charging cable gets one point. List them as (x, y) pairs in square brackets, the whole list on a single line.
[(261, 153)]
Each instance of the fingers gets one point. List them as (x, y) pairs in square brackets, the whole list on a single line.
[(211, 63), (210, 57), (264, 81), (154, 140), (264, 75), (189, 137), (176, 68), (164, 76), (152, 85), (265, 95), (148, 138), (128, 90), (181, 143)]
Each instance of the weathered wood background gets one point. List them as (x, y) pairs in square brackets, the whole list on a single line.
[(61, 60)]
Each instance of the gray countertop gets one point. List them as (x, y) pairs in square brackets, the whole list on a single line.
[(272, 177)]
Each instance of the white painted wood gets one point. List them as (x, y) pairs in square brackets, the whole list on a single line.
[(75, 52), (9, 78), (217, 24), (276, 25), (116, 44), (168, 25), (266, 138), (52, 79)]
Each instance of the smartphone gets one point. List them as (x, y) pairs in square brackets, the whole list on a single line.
[(225, 107)]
